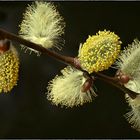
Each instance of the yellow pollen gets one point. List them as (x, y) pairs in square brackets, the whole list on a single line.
[(9, 67), (99, 51)]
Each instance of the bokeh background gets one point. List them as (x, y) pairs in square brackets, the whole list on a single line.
[(26, 113)]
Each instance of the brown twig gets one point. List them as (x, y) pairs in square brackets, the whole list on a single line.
[(65, 59), (115, 82)]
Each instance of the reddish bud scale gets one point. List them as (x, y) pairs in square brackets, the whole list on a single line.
[(123, 78), (87, 85), (77, 63), (4, 45)]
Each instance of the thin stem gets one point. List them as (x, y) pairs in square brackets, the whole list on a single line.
[(114, 81), (65, 59)]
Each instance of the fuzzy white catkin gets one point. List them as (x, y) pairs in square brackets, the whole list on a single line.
[(65, 90), (129, 63), (42, 24), (133, 116)]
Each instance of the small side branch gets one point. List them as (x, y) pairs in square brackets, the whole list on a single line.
[(114, 81)]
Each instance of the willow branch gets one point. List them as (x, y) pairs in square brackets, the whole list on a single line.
[(64, 59), (114, 81)]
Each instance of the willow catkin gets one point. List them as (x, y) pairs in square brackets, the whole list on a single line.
[(42, 24), (128, 63), (9, 68), (66, 90), (99, 51)]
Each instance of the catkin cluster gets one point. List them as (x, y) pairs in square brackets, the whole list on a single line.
[(42, 24)]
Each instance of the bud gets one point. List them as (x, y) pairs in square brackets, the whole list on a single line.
[(43, 25), (99, 51), (70, 89), (9, 66)]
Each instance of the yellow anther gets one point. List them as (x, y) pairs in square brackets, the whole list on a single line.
[(9, 67), (99, 51)]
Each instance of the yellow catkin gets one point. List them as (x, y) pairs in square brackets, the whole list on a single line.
[(99, 51), (9, 68)]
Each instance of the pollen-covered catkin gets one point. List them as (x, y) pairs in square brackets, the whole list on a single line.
[(66, 90), (9, 68), (42, 24), (99, 51)]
